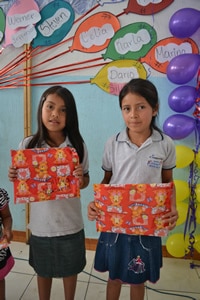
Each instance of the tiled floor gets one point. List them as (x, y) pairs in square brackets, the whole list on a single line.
[(178, 281)]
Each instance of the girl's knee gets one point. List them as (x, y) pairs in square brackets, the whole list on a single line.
[(114, 282)]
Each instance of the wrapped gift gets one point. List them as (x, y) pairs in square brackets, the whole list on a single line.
[(133, 208), (45, 174)]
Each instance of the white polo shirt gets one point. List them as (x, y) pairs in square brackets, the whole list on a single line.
[(132, 164)]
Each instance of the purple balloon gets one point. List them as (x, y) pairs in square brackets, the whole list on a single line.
[(182, 68), (178, 126), (184, 22), (182, 98)]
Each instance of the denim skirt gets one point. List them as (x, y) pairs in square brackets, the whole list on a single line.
[(55, 257), (132, 259)]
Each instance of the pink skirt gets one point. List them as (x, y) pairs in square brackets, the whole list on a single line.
[(6, 262)]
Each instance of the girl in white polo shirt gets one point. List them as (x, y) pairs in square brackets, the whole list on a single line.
[(141, 153)]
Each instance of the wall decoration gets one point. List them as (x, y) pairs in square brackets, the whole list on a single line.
[(94, 33), (147, 7), (177, 245), (56, 21), (184, 22), (197, 191), (20, 20), (182, 189), (182, 209), (182, 98), (184, 156), (2, 24), (133, 208), (45, 174), (131, 42), (81, 7), (116, 74), (159, 56), (136, 41), (197, 246), (102, 2), (197, 158), (183, 68), (179, 126)]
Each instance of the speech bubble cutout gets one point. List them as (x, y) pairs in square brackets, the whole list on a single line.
[(102, 2), (2, 24), (147, 7), (20, 15), (131, 42), (56, 21), (112, 77), (23, 36), (165, 50), (94, 33), (81, 7)]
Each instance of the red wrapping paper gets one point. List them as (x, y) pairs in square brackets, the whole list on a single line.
[(133, 208), (45, 174)]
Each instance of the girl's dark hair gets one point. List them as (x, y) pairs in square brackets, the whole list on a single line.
[(71, 127), (146, 89)]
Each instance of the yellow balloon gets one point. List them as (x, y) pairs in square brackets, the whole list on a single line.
[(103, 78), (182, 213), (184, 156), (197, 191), (182, 190), (198, 214), (176, 245), (197, 243), (197, 159)]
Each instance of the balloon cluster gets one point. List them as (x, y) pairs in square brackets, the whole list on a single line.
[(180, 244), (181, 70)]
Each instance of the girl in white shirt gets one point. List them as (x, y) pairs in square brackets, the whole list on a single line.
[(57, 242)]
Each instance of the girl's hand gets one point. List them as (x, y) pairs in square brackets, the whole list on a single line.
[(7, 234), (170, 218), (12, 173), (78, 173), (92, 211)]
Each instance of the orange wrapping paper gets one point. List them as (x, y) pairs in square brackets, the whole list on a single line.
[(133, 208), (45, 174)]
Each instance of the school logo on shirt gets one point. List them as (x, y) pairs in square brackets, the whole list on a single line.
[(154, 162)]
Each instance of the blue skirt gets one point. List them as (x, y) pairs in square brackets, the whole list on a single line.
[(132, 259), (61, 256)]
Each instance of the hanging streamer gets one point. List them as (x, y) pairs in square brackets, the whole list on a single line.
[(191, 221)]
